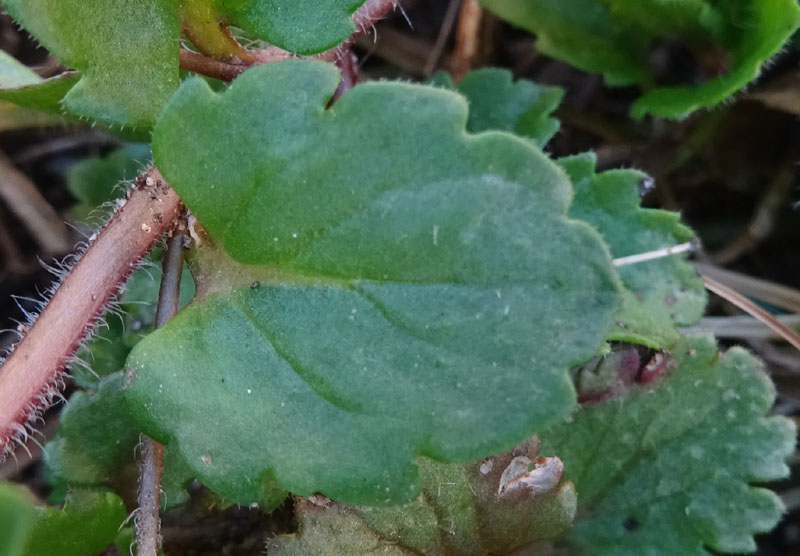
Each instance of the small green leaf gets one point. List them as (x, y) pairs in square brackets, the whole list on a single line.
[(96, 442), (497, 102), (399, 271), (96, 180), (584, 33), (664, 469), (662, 294), (300, 26), (24, 87), (763, 27), (621, 39), (88, 523), (126, 51), (493, 506), (17, 517)]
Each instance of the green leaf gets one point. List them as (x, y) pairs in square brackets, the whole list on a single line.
[(584, 33), (763, 29), (87, 524), (621, 39), (300, 26), (404, 267), (17, 517), (493, 506), (664, 469), (106, 351), (126, 51), (22, 86), (497, 102), (95, 180), (662, 294), (96, 442)]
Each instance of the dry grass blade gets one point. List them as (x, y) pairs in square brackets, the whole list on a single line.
[(743, 326), (749, 307), (775, 294)]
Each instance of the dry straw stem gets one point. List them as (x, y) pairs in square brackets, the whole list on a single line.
[(467, 39), (33, 370), (32, 209), (749, 307)]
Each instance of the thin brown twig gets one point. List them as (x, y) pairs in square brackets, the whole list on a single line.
[(441, 38), (33, 210), (749, 307), (469, 22), (148, 522), (763, 220), (32, 373)]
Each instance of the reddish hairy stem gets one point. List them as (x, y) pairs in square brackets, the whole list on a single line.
[(369, 12), (34, 368)]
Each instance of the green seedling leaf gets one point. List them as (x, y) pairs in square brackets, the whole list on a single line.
[(493, 506), (23, 87), (756, 31), (96, 180), (624, 39), (96, 442), (300, 26), (88, 522), (393, 298), (128, 61), (17, 517), (662, 294), (664, 469), (584, 33), (497, 102)]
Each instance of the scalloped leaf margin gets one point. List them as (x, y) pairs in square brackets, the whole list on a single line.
[(388, 305)]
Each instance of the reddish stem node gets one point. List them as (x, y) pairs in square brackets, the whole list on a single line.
[(369, 12)]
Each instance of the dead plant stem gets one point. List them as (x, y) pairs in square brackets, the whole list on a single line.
[(148, 522)]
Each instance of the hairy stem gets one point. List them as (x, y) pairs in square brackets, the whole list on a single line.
[(148, 523), (33, 370), (364, 17)]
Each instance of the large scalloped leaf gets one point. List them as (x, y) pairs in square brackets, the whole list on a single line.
[(664, 469), (127, 52), (301, 26), (662, 294), (420, 290), (618, 38), (498, 102)]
